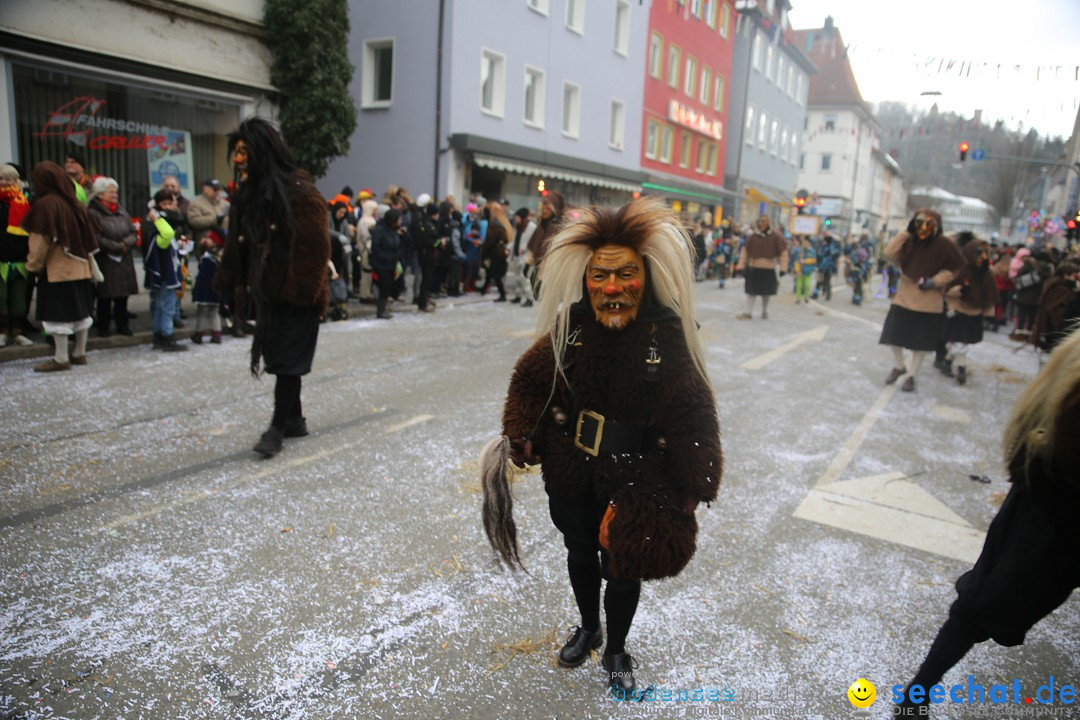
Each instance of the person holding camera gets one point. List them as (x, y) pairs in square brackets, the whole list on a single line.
[(928, 262)]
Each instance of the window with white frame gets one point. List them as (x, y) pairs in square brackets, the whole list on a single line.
[(713, 154), (830, 123), (689, 80), (755, 51), (377, 79), (684, 150), (492, 82), (791, 80), (656, 55), (780, 71), (770, 57), (783, 152), (802, 161), (575, 16), (667, 138), (798, 87), (540, 6), (826, 162), (695, 8), (622, 27), (535, 91), (774, 138), (617, 126), (763, 131), (702, 164), (725, 18), (710, 13), (718, 93), (652, 139), (571, 109), (748, 133), (673, 58), (706, 85), (794, 151)]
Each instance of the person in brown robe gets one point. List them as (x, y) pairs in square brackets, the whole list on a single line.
[(762, 254)]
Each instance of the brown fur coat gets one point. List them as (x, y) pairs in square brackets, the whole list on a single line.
[(654, 532), (293, 265)]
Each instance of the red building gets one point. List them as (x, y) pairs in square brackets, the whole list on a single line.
[(687, 67)]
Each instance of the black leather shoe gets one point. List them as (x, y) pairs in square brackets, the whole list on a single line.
[(620, 669), (296, 427), (577, 648), (270, 443)]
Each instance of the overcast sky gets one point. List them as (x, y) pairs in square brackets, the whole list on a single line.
[(891, 42)]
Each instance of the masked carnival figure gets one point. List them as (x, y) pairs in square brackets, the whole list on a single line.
[(614, 403)]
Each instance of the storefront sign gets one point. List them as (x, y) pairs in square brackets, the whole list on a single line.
[(688, 117), (74, 121)]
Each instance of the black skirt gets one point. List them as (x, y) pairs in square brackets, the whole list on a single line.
[(911, 329), (964, 328), (289, 347), (761, 281), (70, 301), (1028, 566)]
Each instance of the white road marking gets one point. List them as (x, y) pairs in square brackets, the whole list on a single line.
[(847, 452), (272, 468), (408, 423), (815, 335), (847, 316), (892, 508), (952, 414)]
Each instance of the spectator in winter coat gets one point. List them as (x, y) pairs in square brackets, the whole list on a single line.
[(207, 211), (62, 240), (496, 249), (1029, 279), (117, 241), (364, 226), (517, 278), (14, 247), (342, 233), (386, 257), (162, 265)]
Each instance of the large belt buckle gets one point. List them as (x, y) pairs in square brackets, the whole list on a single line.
[(597, 418)]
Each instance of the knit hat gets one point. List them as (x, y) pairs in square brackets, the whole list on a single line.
[(76, 155)]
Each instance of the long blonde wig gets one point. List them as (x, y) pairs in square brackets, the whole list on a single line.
[(648, 226), (1032, 425)]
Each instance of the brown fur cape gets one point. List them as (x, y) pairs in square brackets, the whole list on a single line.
[(654, 531)]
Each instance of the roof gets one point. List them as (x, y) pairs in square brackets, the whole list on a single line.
[(834, 83), (936, 193)]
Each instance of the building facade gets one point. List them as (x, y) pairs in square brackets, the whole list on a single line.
[(958, 212), (859, 186), (101, 84), (492, 97), (684, 124), (768, 95)]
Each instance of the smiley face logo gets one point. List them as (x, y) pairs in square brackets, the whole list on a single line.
[(862, 693)]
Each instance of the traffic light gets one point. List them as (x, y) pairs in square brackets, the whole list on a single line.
[(828, 222), (963, 151), (1070, 230), (800, 204), (541, 187)]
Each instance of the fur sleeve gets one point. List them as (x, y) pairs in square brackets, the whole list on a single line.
[(530, 386), (306, 282), (690, 426)]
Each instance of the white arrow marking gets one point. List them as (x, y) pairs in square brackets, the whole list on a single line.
[(892, 508), (847, 452), (949, 413), (816, 335)]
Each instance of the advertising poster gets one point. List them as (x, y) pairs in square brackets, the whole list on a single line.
[(172, 158)]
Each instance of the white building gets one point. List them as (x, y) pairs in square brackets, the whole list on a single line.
[(958, 212), (139, 88)]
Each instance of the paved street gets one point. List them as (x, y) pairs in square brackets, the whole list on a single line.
[(152, 567)]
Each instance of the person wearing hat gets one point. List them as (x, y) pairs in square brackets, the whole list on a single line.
[(425, 236), (75, 167), (207, 211)]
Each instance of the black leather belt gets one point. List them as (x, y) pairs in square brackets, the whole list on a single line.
[(595, 434)]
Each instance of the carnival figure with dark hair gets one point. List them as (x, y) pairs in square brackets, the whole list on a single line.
[(928, 262), (275, 258), (614, 402)]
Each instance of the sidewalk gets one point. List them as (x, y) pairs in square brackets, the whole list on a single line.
[(144, 334)]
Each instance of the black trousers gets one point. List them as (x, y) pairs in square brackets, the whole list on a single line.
[(109, 309)]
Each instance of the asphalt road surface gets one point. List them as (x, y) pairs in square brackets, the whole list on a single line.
[(153, 567)]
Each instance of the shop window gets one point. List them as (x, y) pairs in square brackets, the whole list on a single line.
[(535, 85), (377, 77), (131, 131), (492, 82)]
